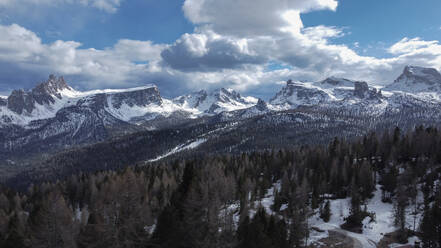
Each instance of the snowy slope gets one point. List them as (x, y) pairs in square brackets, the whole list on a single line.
[(416, 80), (416, 86), (215, 102), (123, 104), (331, 91), (53, 109), (44, 110), (373, 230)]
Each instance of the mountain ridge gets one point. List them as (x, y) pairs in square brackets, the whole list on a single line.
[(67, 117)]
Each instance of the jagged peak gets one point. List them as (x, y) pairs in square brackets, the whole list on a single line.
[(261, 105), (336, 81), (289, 82), (417, 74), (227, 91), (52, 86)]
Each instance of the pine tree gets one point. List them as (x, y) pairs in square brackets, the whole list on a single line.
[(17, 233), (354, 221), (53, 221), (400, 213), (326, 212)]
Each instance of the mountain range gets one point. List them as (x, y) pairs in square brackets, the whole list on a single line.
[(53, 117)]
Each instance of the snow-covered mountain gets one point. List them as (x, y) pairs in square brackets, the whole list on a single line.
[(332, 90), (53, 115), (416, 79), (215, 102), (48, 98), (53, 112)]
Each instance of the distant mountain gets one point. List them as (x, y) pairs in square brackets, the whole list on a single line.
[(335, 91), (53, 116), (416, 79), (215, 102)]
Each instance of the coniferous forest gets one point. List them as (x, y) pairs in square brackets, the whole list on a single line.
[(258, 199)]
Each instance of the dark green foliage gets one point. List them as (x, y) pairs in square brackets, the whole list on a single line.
[(262, 232), (326, 212), (206, 202), (431, 224)]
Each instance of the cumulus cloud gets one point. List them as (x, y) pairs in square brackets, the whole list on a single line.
[(208, 52), (257, 17), (274, 31), (407, 45), (24, 50), (234, 45)]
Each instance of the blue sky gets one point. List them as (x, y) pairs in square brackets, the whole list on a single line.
[(250, 45), (379, 23)]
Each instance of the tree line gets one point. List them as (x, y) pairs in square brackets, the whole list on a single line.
[(216, 201)]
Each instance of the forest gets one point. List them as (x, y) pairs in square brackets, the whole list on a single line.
[(220, 201)]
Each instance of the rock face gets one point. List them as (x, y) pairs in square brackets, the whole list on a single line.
[(53, 116), (142, 97), (336, 82), (19, 100), (415, 74), (296, 94), (216, 101), (261, 105), (360, 89), (115, 100), (416, 79), (44, 93)]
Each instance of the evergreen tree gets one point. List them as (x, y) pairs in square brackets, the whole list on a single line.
[(326, 212)]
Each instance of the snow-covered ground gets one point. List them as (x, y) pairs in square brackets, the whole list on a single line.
[(179, 148), (373, 231)]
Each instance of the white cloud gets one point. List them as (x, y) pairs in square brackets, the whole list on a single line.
[(208, 51), (232, 46), (23, 49), (322, 33), (407, 45), (256, 17), (274, 31)]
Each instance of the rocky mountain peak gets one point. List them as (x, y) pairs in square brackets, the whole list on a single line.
[(3, 101), (336, 82), (43, 93), (227, 95), (20, 100), (53, 85), (141, 97), (261, 105), (416, 74), (360, 89)]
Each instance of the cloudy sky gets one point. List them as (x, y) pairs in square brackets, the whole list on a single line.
[(249, 45)]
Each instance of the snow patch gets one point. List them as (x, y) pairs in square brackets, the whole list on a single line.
[(180, 148)]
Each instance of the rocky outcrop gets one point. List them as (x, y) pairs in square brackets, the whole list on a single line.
[(296, 93), (415, 74), (360, 89), (216, 101), (261, 105), (44, 93), (20, 100), (142, 97)]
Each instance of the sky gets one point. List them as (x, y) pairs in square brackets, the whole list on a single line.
[(252, 46)]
